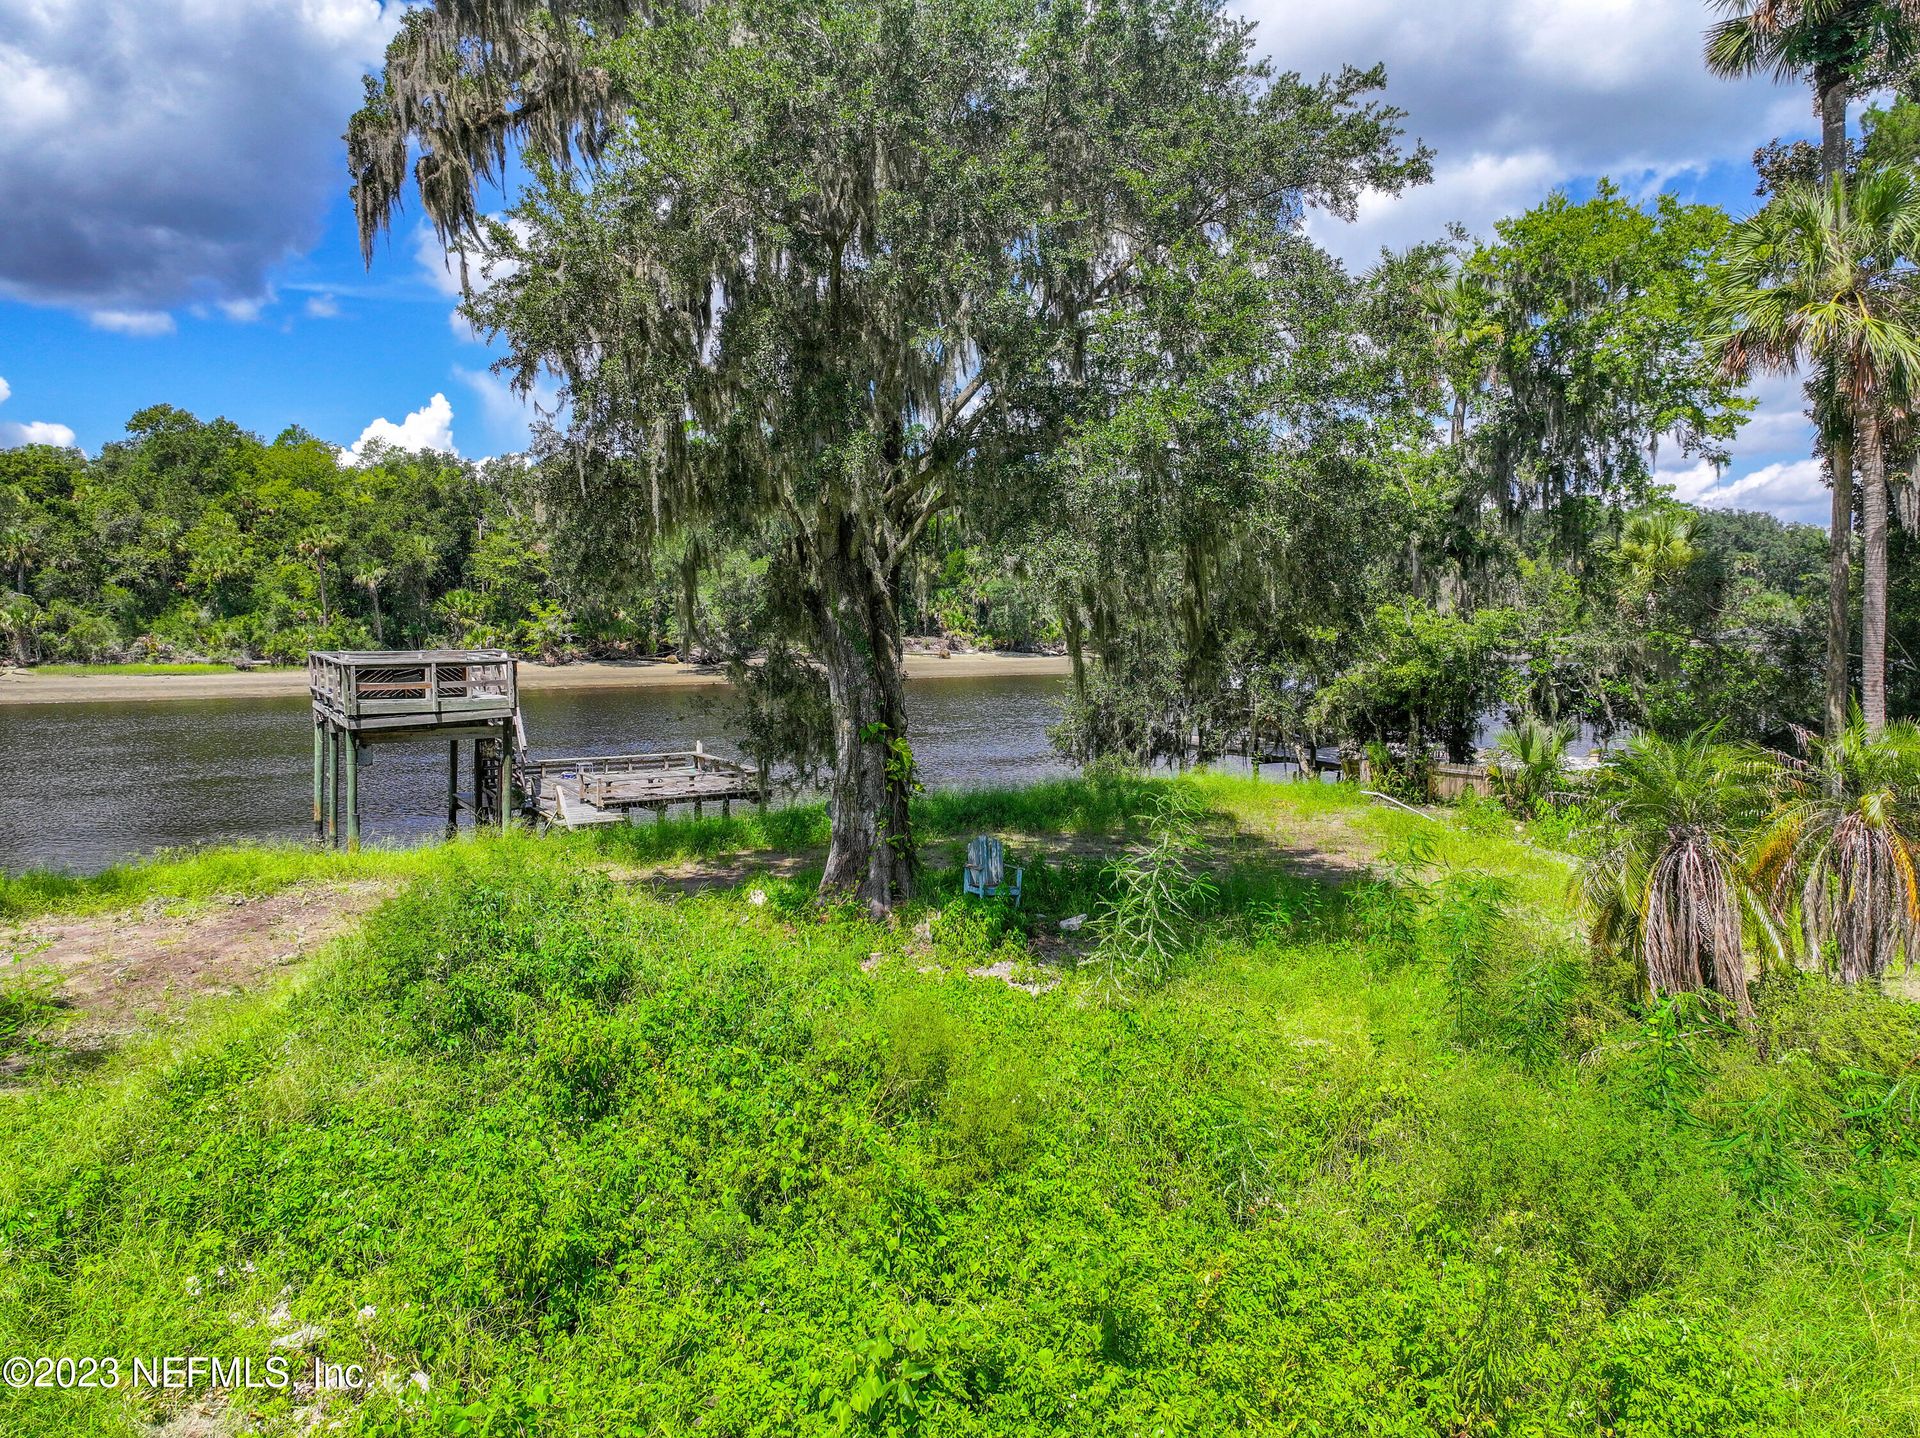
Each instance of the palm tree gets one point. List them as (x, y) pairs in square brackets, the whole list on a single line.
[(1825, 275), (1656, 545), (1671, 888), (1529, 761), (1842, 845), (1830, 43)]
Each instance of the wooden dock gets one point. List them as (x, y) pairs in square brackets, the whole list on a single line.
[(381, 696), (581, 792)]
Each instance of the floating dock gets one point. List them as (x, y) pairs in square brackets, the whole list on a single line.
[(384, 696)]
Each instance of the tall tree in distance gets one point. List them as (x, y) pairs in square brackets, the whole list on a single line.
[(1832, 44), (835, 267), (1825, 276)]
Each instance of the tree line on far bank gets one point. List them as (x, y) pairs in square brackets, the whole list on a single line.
[(194, 539)]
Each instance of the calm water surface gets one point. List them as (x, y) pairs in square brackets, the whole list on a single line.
[(86, 785)]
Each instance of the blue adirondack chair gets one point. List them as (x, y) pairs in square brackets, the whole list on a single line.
[(986, 871)]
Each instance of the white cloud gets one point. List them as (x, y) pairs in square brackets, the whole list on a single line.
[(245, 311), (157, 154), (438, 266), (429, 427), (36, 431), (142, 323), (509, 416), (1791, 489), (322, 307), (1517, 96)]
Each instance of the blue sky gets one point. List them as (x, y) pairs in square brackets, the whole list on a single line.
[(179, 230)]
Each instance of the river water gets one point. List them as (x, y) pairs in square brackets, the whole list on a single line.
[(86, 785)]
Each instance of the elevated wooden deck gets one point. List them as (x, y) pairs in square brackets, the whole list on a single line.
[(606, 789), (367, 692)]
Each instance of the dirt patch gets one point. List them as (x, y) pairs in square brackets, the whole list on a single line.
[(115, 974), (724, 871), (1008, 974)]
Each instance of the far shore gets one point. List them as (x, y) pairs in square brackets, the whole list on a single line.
[(24, 686)]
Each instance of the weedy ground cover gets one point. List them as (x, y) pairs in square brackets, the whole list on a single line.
[(600, 1158)]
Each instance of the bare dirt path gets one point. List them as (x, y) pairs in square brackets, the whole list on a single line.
[(112, 976)]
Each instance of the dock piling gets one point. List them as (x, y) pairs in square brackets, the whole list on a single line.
[(353, 792), (506, 781), (318, 775), (332, 834)]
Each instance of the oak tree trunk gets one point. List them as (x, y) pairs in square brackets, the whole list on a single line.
[(1873, 603), (871, 856)]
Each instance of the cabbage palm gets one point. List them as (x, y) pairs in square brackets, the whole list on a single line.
[(1671, 888), (1832, 44), (1824, 275), (1842, 845), (1529, 760), (1828, 42)]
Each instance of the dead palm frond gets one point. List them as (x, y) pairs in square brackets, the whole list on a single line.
[(1842, 847), (1672, 889)]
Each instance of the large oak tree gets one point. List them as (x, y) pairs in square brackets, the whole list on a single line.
[(831, 269)]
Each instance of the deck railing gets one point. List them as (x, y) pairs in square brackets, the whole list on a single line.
[(433, 684)]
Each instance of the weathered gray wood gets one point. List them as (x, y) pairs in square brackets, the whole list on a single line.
[(319, 775), (353, 792), (506, 780), (333, 786)]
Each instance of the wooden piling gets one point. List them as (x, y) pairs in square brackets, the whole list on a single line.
[(332, 833), (319, 739), (453, 787), (353, 791), (506, 781)]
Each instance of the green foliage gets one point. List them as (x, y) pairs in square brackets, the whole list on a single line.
[(590, 1155), (1672, 886), (1160, 889), (1530, 764), (1422, 677)]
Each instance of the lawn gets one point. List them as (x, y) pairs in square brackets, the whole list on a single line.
[(550, 1148)]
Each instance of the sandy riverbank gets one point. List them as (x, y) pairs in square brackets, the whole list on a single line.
[(26, 687)]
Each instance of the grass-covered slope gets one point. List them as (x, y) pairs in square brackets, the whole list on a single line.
[(597, 1158)]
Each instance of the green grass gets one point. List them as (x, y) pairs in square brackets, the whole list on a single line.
[(138, 669), (249, 870), (602, 1161)]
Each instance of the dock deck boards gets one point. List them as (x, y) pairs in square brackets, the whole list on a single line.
[(605, 789)]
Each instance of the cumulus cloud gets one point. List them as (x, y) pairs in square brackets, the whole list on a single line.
[(429, 427), (143, 324), (1516, 96), (1791, 489), (37, 431), (153, 155), (322, 307)]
